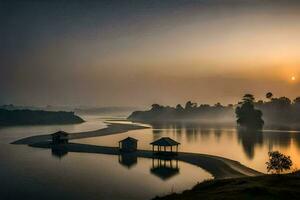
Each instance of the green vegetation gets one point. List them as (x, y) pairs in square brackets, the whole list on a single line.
[(273, 186), (191, 111), (278, 162), (261, 187), (279, 112), (247, 115), (37, 117)]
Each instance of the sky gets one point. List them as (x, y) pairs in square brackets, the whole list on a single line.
[(135, 53)]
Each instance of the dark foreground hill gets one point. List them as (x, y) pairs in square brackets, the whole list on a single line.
[(37, 117), (261, 187)]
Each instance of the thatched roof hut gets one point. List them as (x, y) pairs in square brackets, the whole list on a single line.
[(165, 142)]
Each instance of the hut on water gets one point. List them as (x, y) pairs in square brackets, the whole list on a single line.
[(165, 146), (129, 144), (60, 137)]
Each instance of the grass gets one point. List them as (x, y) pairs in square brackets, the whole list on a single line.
[(261, 187)]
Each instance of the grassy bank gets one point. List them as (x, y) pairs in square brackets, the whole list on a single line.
[(260, 187)]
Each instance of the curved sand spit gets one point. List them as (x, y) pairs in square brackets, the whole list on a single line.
[(219, 167)]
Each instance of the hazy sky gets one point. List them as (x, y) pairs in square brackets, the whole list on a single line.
[(141, 52)]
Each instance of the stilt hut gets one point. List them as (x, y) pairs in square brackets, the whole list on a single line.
[(165, 146), (129, 144)]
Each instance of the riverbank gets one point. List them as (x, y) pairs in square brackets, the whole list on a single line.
[(260, 187), (219, 167), (112, 128)]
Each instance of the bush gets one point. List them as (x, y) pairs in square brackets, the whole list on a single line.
[(278, 162)]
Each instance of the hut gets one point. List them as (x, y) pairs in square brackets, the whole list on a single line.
[(60, 137), (165, 142), (129, 144)]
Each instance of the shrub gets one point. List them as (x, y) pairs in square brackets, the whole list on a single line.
[(278, 162)]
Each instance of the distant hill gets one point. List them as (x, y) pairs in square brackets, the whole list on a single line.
[(45, 108), (37, 117)]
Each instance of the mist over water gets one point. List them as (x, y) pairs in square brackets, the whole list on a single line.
[(248, 147), (35, 173)]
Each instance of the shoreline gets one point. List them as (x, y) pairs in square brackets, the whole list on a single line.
[(219, 167), (112, 128)]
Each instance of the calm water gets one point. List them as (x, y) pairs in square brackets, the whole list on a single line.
[(32, 173), (249, 148)]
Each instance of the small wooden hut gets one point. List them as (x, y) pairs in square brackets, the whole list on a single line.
[(165, 146), (129, 144), (60, 137)]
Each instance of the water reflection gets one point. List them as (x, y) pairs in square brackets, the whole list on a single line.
[(249, 140), (249, 147), (127, 160), (164, 168), (98, 176), (59, 151)]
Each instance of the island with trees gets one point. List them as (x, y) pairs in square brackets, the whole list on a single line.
[(37, 117), (247, 115), (278, 112)]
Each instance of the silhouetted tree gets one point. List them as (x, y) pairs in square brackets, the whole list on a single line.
[(278, 162), (248, 98), (284, 101), (276, 112), (188, 105), (179, 107), (247, 115), (218, 105), (156, 107), (269, 95), (297, 100)]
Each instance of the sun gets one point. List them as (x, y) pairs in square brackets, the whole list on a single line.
[(293, 78)]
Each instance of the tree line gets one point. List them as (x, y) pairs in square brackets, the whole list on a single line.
[(272, 111)]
